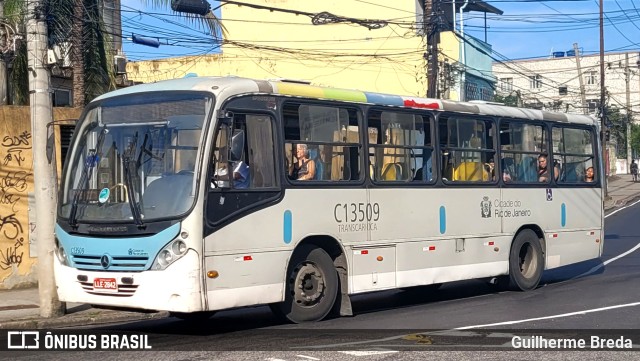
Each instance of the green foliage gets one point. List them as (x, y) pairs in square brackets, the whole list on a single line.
[(635, 139), (618, 130), (99, 72), (14, 11), (59, 19), (209, 21), (510, 100), (19, 76)]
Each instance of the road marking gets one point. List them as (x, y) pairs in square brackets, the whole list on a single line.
[(366, 353), (445, 332), (550, 317), (607, 262), (619, 209), (307, 357)]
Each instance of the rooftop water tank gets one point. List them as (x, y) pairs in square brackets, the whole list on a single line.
[(558, 54)]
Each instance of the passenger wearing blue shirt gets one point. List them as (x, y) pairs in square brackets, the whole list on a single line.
[(240, 175)]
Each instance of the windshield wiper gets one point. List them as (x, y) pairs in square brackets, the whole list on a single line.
[(90, 162), (128, 163)]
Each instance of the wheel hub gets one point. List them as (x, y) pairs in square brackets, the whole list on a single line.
[(308, 285)]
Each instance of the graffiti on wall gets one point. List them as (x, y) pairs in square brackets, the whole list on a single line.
[(12, 186), (15, 146), (15, 178)]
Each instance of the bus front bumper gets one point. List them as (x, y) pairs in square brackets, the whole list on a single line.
[(176, 289)]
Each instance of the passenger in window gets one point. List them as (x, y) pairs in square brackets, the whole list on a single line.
[(490, 168), (304, 168), (589, 175), (507, 170), (543, 169), (506, 176), (240, 175)]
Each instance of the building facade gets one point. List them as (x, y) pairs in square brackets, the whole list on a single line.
[(18, 226), (328, 43), (570, 82)]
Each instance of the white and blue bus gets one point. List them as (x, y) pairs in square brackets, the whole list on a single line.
[(177, 196)]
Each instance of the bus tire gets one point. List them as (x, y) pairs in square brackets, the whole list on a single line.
[(311, 286), (526, 261)]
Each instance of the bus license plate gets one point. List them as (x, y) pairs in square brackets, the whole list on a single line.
[(105, 284)]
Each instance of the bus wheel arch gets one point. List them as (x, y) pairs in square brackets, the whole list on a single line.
[(526, 259), (313, 283)]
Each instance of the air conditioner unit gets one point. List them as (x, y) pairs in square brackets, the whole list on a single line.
[(120, 63), (60, 54)]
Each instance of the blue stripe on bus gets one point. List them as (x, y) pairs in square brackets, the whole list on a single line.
[(384, 99), (563, 215), (443, 220), (127, 253), (287, 226)]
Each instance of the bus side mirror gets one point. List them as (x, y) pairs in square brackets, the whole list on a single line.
[(237, 145)]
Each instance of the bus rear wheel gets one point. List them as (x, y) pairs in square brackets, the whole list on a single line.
[(311, 286), (526, 261)]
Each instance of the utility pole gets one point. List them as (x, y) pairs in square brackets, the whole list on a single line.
[(603, 108), (43, 166), (627, 79), (585, 109), (431, 12)]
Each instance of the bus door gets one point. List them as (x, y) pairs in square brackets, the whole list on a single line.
[(400, 154)]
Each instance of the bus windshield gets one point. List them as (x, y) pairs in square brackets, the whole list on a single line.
[(134, 159)]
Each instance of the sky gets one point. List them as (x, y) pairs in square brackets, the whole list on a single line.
[(527, 29)]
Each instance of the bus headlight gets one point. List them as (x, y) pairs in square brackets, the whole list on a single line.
[(169, 254), (61, 253), (165, 257), (179, 247)]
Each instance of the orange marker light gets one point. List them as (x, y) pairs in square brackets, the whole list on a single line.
[(212, 274), (379, 258)]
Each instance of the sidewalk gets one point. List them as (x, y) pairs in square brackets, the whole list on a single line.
[(19, 308), (622, 190)]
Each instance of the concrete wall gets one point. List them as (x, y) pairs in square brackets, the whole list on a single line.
[(269, 45), (18, 262)]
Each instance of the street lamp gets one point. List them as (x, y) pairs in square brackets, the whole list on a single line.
[(198, 7)]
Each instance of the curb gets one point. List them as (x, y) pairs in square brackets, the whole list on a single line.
[(85, 318), (621, 203)]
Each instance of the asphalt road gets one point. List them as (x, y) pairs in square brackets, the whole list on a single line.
[(470, 320)]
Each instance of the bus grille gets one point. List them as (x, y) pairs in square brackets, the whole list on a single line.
[(123, 290), (118, 263)]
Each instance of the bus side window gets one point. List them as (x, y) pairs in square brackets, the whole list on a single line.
[(400, 146), (330, 138), (574, 146)]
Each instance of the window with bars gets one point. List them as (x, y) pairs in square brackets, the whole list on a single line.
[(506, 84), (591, 78), (535, 81)]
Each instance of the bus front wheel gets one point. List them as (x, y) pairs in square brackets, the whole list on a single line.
[(526, 261), (311, 286)]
